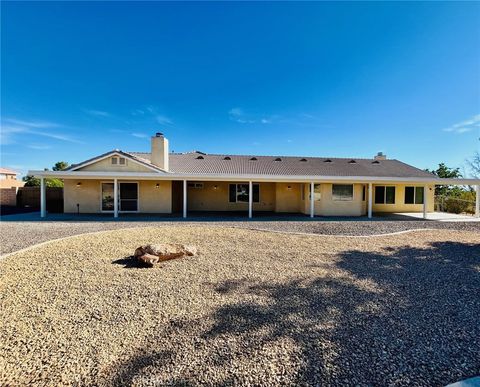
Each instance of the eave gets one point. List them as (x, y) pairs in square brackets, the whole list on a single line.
[(245, 177)]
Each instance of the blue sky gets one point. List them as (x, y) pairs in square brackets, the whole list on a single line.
[(326, 79)]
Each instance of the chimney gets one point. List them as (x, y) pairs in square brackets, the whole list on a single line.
[(160, 151), (380, 156)]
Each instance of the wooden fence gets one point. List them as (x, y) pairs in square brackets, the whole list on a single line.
[(30, 197)]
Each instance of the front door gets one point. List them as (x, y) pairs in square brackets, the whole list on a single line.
[(128, 199)]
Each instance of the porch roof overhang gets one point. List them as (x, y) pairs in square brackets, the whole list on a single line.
[(244, 177)]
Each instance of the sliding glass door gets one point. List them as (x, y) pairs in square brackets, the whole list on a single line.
[(127, 197)]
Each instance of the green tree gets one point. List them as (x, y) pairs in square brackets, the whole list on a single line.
[(31, 181), (60, 166), (447, 173)]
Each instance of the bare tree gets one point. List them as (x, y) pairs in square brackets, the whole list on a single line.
[(474, 164)]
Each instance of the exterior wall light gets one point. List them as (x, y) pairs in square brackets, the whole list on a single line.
[(157, 185), (289, 187), (215, 187), (79, 185)]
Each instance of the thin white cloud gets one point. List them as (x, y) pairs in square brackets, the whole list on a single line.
[(465, 126), (238, 115), (39, 146), (33, 124), (9, 132), (163, 120), (140, 135), (98, 113)]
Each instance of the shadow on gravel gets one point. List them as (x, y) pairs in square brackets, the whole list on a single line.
[(129, 263), (405, 316)]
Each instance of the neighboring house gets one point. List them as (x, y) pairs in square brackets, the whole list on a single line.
[(8, 178), (162, 182)]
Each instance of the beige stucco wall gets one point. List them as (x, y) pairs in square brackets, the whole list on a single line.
[(153, 199), (328, 207), (288, 199), (400, 205), (273, 197), (88, 195), (105, 165), (210, 198)]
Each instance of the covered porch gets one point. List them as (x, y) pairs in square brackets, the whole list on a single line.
[(325, 197)]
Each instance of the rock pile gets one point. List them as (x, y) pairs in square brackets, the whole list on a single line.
[(149, 255)]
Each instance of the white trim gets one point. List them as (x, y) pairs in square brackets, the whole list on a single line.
[(425, 200), (43, 198), (312, 199), (370, 200), (185, 203), (115, 198), (258, 178), (250, 198), (113, 154)]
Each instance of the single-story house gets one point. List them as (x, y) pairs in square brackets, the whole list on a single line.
[(161, 182)]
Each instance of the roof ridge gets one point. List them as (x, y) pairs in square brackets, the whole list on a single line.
[(273, 156)]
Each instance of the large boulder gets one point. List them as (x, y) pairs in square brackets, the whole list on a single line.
[(152, 254)]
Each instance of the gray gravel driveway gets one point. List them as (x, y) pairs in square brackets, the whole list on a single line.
[(18, 232)]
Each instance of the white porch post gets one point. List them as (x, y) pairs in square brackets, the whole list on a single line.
[(425, 200), (370, 195), (115, 198), (184, 198), (43, 198), (477, 202), (312, 202), (250, 199)]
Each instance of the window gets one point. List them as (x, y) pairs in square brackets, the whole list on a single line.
[(364, 193), (413, 195), (303, 192), (119, 161), (317, 192), (195, 185), (384, 195), (238, 193), (342, 192), (107, 196)]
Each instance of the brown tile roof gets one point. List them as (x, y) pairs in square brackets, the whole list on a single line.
[(201, 163)]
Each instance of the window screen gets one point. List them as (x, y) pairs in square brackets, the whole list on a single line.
[(379, 195), (238, 193), (409, 195), (390, 195), (342, 192)]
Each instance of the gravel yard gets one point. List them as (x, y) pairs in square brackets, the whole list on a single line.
[(253, 308), (20, 234)]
